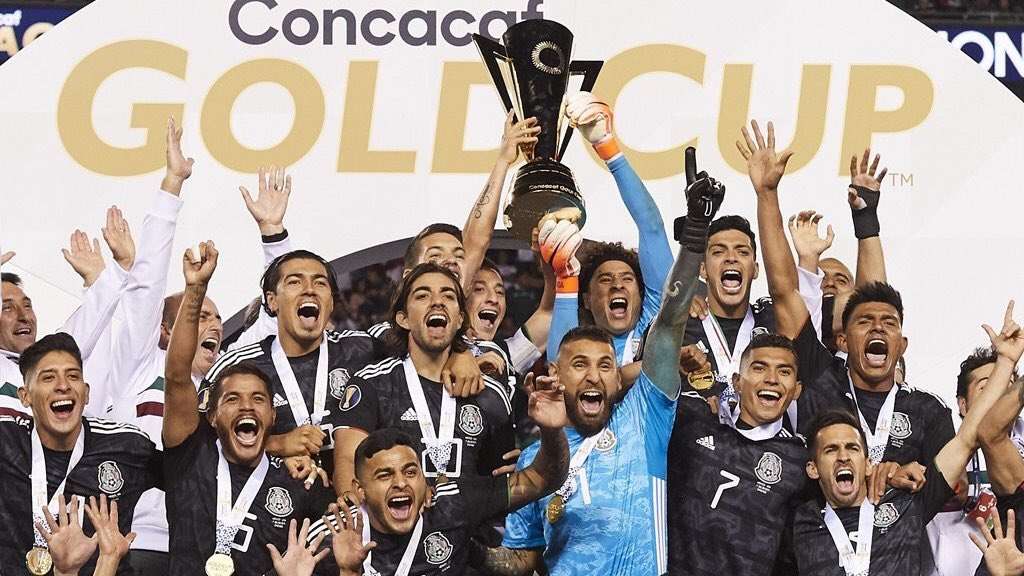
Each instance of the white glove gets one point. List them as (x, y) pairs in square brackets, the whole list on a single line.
[(590, 116), (559, 240)]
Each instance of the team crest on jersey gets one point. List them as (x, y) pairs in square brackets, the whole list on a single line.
[(108, 477), (900, 428), (350, 398), (471, 421), (886, 515), (337, 380), (607, 441), (437, 548), (279, 502), (769, 469), (759, 331)]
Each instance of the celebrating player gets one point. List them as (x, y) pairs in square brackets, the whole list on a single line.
[(226, 498), (58, 452), (410, 529), (458, 437), (854, 534), (619, 290)]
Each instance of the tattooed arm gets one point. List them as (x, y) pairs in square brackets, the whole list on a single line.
[(507, 561), (661, 352), (549, 469), (476, 234)]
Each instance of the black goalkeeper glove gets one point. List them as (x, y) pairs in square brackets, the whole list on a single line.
[(865, 220), (704, 196)]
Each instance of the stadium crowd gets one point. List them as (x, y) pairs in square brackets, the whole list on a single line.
[(648, 417)]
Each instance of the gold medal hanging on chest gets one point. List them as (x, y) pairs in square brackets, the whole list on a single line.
[(220, 565), (38, 561), (555, 509)]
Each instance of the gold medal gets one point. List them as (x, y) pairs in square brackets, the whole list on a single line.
[(220, 565), (38, 561), (555, 509), (702, 380), (441, 478)]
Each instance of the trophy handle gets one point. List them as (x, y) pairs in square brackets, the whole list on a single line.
[(490, 53), (589, 69)]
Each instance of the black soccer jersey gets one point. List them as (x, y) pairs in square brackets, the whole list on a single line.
[(764, 322), (347, 352), (899, 534), (378, 397), (728, 496), (118, 460), (443, 548), (191, 483), (921, 425)]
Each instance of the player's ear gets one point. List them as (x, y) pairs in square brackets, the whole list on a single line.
[(797, 391), (703, 273), (736, 381), (23, 394), (961, 402), (841, 341), (552, 370), (271, 299), (812, 470), (903, 350), (757, 270), (402, 319)]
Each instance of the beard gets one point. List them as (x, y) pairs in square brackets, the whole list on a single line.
[(586, 425)]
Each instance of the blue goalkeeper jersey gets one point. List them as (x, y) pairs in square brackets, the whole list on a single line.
[(622, 530)]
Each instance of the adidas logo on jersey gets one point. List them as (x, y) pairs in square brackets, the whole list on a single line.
[(409, 416), (707, 442), (279, 401)]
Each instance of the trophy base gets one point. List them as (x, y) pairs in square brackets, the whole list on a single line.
[(541, 186)]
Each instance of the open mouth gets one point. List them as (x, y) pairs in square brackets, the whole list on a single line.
[(437, 320), (23, 331), (591, 402), (618, 307), (876, 353), (844, 480), (62, 408), (400, 507), (210, 344), (308, 313), (769, 398), (488, 316), (247, 431), (732, 281)]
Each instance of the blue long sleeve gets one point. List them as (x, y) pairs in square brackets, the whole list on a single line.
[(655, 255), (564, 318)]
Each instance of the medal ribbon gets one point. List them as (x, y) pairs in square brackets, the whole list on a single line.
[(579, 458), (291, 387), (438, 444), (627, 349), (855, 563), (410, 550), (730, 417), (231, 515), (728, 361), (878, 438), (39, 485)]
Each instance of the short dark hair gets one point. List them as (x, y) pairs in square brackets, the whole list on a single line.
[(243, 369), (488, 264), (733, 222), (591, 333), (396, 340), (379, 440), (597, 254), (412, 251), (771, 341), (832, 417), (873, 292), (978, 358), (272, 275), (59, 342), (11, 277)]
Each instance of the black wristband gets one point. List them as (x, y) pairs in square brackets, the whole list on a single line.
[(274, 238), (692, 233), (865, 220)]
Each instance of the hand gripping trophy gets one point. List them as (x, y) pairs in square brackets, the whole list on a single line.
[(531, 72)]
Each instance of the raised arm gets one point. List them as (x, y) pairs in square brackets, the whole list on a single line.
[(181, 402), (103, 285), (863, 195), (476, 234), (1008, 344), (809, 246), (661, 354), (551, 465), (538, 325), (594, 119), (765, 169)]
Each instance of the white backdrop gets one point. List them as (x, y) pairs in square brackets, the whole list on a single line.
[(948, 131)]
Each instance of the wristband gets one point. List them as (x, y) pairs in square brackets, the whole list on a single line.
[(607, 148), (691, 233), (865, 220), (567, 285), (275, 238)]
